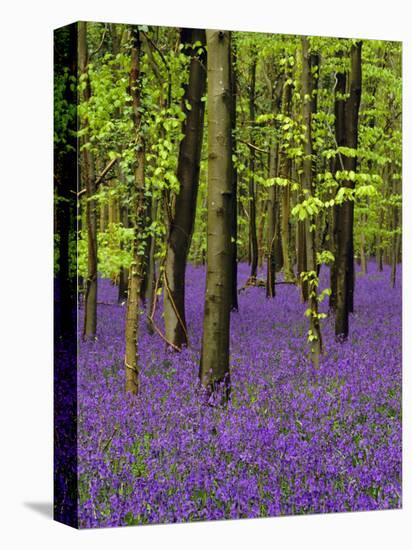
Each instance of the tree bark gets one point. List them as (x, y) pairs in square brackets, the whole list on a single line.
[(234, 305), (214, 363), (271, 227), (87, 174), (136, 267), (315, 336), (145, 286), (362, 251), (379, 248), (124, 271), (396, 240), (260, 232), (345, 279), (284, 172), (181, 227), (302, 259), (273, 201), (340, 90), (253, 242), (151, 270)]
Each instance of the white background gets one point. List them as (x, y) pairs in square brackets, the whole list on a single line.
[(26, 266)]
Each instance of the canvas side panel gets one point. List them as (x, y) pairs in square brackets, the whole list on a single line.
[(65, 276)]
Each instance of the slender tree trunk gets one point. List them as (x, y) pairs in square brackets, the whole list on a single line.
[(345, 260), (302, 259), (181, 228), (113, 219), (394, 261), (253, 242), (103, 217), (151, 270), (144, 287), (121, 210), (113, 206), (351, 124), (278, 240), (234, 306), (214, 363), (136, 267), (362, 252), (285, 234), (88, 176), (396, 241), (379, 250), (124, 272), (315, 336), (334, 265), (260, 232), (271, 227), (340, 90), (284, 172)]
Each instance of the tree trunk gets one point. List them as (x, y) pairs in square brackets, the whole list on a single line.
[(271, 227), (181, 227), (253, 243), (151, 270), (136, 267), (362, 252), (234, 306), (144, 287), (345, 261), (278, 240), (103, 217), (214, 363), (302, 259), (260, 232), (340, 90), (396, 241), (351, 123), (379, 248), (315, 337), (284, 172), (124, 272), (87, 174)]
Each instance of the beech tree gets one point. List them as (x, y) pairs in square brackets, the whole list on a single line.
[(253, 242), (87, 175), (234, 306), (345, 279), (181, 225), (310, 276), (273, 211), (285, 166), (138, 244), (339, 108), (214, 362)]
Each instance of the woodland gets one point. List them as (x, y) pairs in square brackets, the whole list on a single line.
[(232, 237)]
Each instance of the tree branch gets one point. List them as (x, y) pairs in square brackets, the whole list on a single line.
[(251, 146), (101, 176)]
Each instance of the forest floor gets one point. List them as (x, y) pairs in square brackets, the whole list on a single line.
[(293, 440)]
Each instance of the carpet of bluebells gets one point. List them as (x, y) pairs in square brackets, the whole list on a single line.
[(293, 440)]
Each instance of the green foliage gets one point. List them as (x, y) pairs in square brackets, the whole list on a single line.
[(374, 187)]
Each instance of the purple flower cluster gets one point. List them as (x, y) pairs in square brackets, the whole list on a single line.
[(293, 440)]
